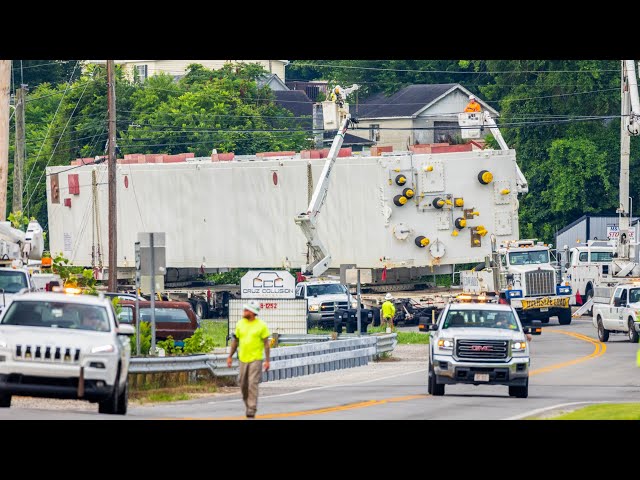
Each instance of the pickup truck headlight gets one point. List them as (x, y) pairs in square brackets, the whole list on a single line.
[(103, 349), (354, 304), (519, 346), (445, 344), (314, 308)]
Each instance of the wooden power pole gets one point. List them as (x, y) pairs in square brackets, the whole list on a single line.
[(20, 151), (5, 84), (113, 213)]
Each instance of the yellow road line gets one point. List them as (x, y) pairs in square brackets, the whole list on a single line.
[(599, 349)]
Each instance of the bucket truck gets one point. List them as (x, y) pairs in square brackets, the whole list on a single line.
[(625, 266)]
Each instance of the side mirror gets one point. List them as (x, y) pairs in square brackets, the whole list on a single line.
[(566, 265), (432, 327), (125, 329)]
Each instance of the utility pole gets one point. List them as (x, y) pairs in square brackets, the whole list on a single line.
[(5, 83), (20, 151), (113, 220)]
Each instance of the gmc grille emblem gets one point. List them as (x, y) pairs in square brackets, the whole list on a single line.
[(480, 348)]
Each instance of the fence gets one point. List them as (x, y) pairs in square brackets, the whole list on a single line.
[(286, 362), (281, 316)]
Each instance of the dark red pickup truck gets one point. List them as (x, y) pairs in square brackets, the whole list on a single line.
[(176, 319)]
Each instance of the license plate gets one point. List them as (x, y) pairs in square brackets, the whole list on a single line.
[(544, 309), (546, 302), (481, 377)]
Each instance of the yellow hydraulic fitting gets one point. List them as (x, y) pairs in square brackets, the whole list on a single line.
[(459, 202), (455, 233), (448, 202), (476, 241), (408, 192), (485, 177), (505, 191), (396, 169), (480, 230), (438, 202), (460, 223), (421, 241), (475, 213), (401, 180), (428, 168), (399, 200)]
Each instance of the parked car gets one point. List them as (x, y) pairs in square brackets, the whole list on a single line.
[(175, 319), (59, 345), (123, 296)]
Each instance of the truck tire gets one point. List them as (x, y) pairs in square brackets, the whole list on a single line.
[(603, 333), (430, 378), (520, 392), (5, 400), (202, 309), (564, 317), (437, 389), (376, 317), (633, 335)]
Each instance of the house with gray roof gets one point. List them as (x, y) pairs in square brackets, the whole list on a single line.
[(415, 114)]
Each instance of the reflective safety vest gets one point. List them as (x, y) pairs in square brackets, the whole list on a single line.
[(473, 107), (388, 309)]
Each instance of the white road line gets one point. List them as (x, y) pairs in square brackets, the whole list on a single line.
[(552, 407), (324, 387)]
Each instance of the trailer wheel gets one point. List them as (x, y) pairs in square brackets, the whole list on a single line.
[(202, 309)]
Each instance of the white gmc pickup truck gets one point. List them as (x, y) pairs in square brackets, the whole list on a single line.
[(620, 315)]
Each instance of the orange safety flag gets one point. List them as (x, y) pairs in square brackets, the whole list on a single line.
[(578, 298)]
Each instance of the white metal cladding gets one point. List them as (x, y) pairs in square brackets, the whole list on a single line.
[(281, 316), (230, 214)]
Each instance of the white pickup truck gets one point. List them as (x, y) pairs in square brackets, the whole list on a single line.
[(621, 314)]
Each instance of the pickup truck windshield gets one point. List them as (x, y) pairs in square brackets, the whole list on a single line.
[(326, 289), (12, 282), (634, 295), (529, 258), (57, 315), (480, 319)]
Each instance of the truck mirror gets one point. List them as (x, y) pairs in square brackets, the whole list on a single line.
[(566, 265)]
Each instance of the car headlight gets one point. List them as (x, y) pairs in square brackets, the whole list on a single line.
[(519, 346), (445, 344), (103, 349), (354, 304), (314, 308)]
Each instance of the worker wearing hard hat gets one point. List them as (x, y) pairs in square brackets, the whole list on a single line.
[(388, 311), (473, 105)]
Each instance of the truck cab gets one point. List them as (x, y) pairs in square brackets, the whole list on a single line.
[(520, 273), (621, 314), (324, 297), (12, 281), (586, 266)]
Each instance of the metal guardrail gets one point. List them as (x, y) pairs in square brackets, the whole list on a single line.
[(321, 356)]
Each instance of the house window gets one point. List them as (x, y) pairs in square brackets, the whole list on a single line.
[(374, 132), (141, 72)]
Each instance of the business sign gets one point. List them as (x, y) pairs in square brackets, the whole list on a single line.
[(613, 232), (267, 284), (365, 276)]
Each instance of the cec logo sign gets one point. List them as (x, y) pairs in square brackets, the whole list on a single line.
[(268, 284)]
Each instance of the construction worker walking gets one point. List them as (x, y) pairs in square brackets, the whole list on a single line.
[(388, 311), (252, 339), (473, 105)]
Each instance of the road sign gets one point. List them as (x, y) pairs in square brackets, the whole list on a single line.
[(138, 264), (366, 275), (267, 284)]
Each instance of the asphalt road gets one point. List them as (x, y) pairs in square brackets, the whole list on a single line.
[(569, 366)]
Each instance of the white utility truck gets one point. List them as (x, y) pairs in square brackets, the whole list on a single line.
[(585, 266), (621, 314), (520, 273)]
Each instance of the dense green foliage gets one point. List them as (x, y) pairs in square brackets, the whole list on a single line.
[(570, 160)]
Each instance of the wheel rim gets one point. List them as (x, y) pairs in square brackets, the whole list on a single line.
[(600, 329)]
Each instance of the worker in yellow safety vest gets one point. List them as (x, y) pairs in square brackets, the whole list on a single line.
[(388, 311), (473, 105)]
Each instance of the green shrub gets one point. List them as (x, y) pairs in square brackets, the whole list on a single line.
[(199, 342), (169, 346), (145, 339)]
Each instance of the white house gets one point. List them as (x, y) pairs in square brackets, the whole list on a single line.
[(420, 113)]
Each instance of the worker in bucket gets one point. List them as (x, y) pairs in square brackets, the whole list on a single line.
[(388, 311), (473, 105), (251, 339)]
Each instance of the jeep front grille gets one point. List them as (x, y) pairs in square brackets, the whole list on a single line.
[(47, 353), (540, 282), (472, 350)]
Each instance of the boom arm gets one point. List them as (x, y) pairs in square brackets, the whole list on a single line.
[(307, 221), (521, 181)]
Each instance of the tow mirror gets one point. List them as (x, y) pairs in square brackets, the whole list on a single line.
[(125, 329), (432, 327)]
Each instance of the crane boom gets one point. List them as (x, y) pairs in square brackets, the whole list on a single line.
[(308, 220)]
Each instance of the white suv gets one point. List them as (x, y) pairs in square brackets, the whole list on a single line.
[(64, 346)]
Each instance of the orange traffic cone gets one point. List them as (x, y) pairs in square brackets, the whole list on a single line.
[(578, 298)]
